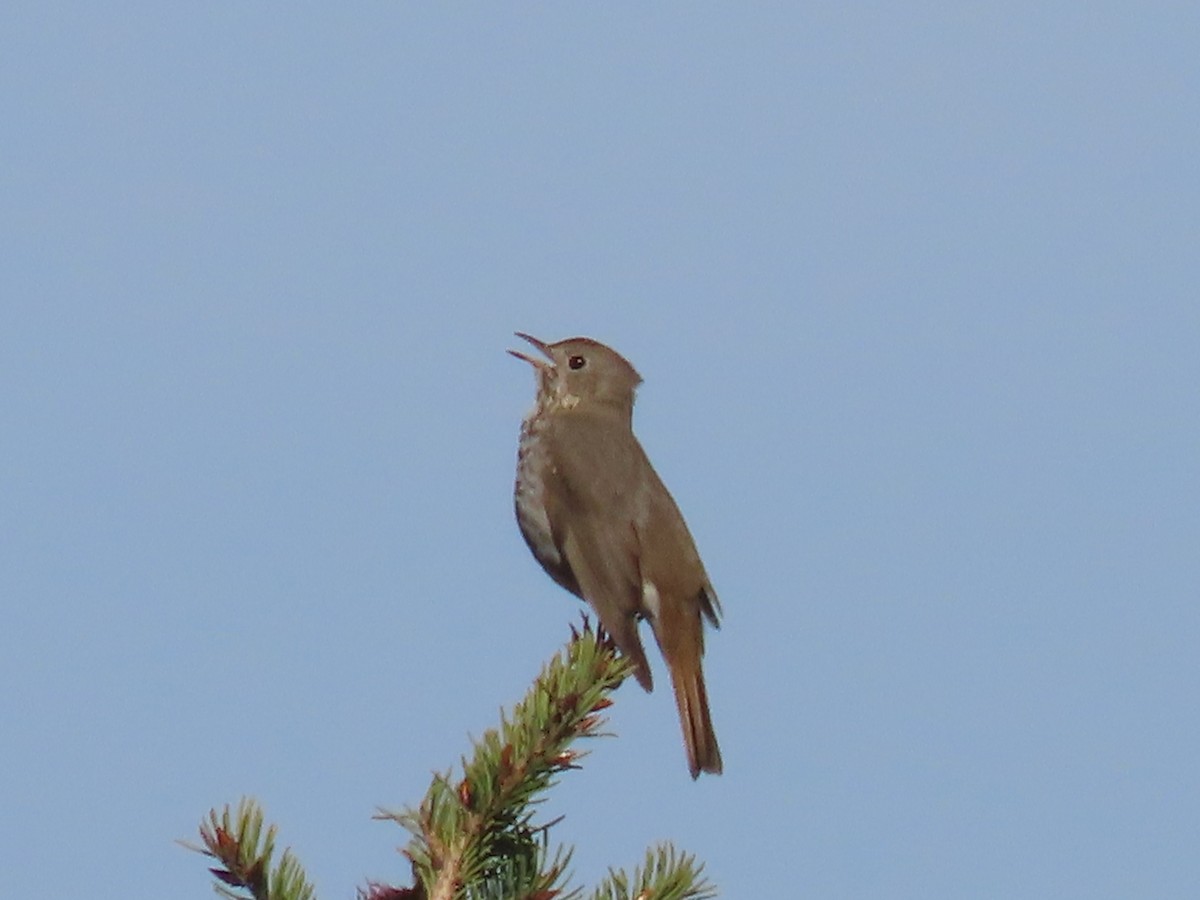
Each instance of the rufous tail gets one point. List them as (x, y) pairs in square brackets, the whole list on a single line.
[(699, 739)]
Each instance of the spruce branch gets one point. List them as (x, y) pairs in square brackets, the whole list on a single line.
[(237, 842), (475, 837), (666, 875)]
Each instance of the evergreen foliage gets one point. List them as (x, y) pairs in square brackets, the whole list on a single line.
[(474, 836)]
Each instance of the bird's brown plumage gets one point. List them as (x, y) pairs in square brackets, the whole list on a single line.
[(598, 518)]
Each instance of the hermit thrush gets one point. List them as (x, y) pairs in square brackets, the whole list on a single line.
[(602, 524)]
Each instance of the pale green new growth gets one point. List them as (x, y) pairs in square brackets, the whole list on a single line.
[(666, 875), (237, 842)]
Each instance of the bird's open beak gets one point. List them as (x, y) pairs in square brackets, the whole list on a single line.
[(533, 360)]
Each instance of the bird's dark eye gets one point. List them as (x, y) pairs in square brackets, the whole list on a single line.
[(576, 362)]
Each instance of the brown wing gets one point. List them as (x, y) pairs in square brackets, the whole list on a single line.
[(667, 552)]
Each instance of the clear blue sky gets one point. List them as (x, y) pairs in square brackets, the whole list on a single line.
[(913, 288)]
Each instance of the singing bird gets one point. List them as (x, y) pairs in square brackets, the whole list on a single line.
[(601, 523)]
